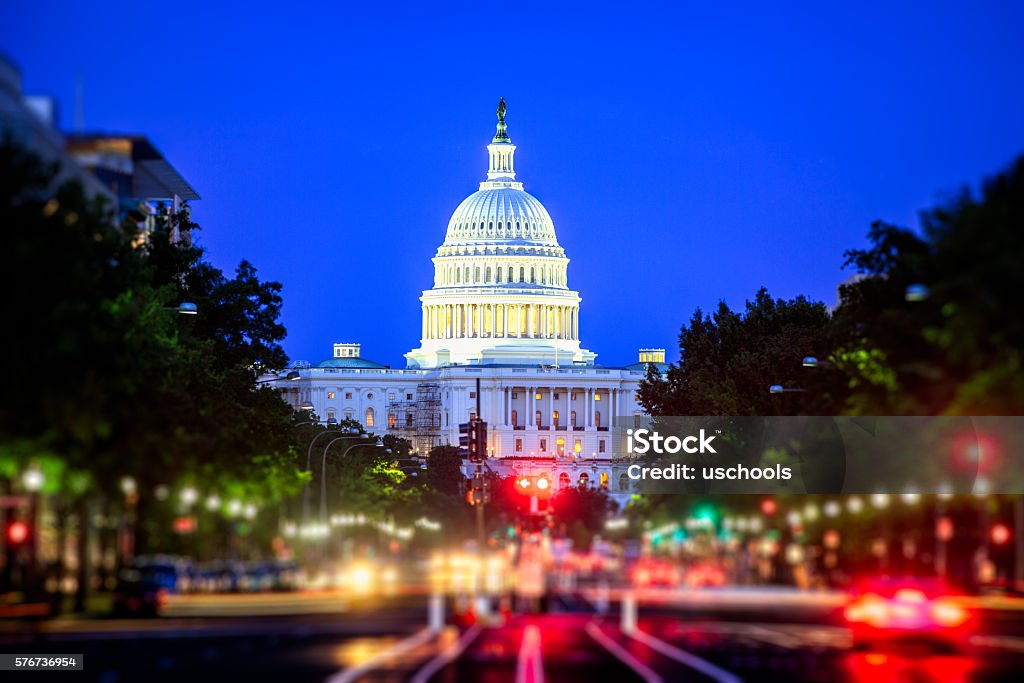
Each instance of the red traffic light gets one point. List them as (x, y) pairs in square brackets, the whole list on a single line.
[(524, 484), (1000, 534), (768, 506), (17, 532)]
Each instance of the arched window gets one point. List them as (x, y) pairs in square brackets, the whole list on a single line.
[(623, 482), (458, 276), (522, 274), (497, 271), (584, 481), (348, 413), (510, 273), (603, 481), (466, 279), (369, 417), (476, 274), (563, 480), (533, 274), (487, 274), (515, 418)]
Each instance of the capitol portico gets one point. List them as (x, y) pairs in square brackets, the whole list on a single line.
[(499, 341)]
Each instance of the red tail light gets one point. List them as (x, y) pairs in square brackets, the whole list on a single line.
[(945, 612), (910, 595), (868, 609)]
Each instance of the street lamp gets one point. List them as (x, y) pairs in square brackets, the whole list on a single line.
[(779, 389), (33, 479), (309, 462), (189, 496), (323, 468), (184, 308)]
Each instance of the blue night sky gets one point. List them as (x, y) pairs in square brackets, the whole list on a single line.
[(687, 152)]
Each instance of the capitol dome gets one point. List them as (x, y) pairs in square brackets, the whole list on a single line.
[(502, 213), (500, 291)]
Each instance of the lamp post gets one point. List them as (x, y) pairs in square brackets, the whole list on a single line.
[(323, 468), (309, 458), (33, 481)]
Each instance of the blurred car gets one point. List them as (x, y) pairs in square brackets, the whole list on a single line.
[(703, 575), (268, 576), (140, 593), (896, 611), (650, 573), (219, 577), (173, 574)]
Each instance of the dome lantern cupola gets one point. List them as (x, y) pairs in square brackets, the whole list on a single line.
[(501, 172)]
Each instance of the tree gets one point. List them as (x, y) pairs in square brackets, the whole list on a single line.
[(444, 470), (729, 360), (955, 348)]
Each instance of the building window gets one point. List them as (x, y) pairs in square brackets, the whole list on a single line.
[(472, 394), (408, 420), (369, 397), (578, 446), (543, 445), (391, 396), (519, 445), (348, 413), (602, 481), (330, 394), (557, 395), (572, 418), (600, 446), (584, 480), (392, 420), (563, 480), (515, 395), (330, 415), (554, 419), (597, 396), (408, 397), (597, 418), (623, 482), (537, 396), (369, 417), (560, 447), (515, 418), (573, 395), (537, 418), (348, 395)]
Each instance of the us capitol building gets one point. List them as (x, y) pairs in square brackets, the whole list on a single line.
[(499, 341)]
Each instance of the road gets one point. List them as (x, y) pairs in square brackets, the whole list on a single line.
[(364, 642)]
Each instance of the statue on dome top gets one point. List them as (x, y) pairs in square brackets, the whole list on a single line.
[(501, 110)]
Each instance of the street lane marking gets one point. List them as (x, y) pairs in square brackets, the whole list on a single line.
[(448, 656), (397, 650), (683, 657), (530, 666), (622, 655)]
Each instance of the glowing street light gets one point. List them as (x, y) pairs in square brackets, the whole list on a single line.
[(880, 500), (854, 504), (213, 502), (33, 479), (831, 508), (189, 496)]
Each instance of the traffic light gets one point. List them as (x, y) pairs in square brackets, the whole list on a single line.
[(534, 485), (17, 533), (1000, 534), (473, 439), (467, 436)]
